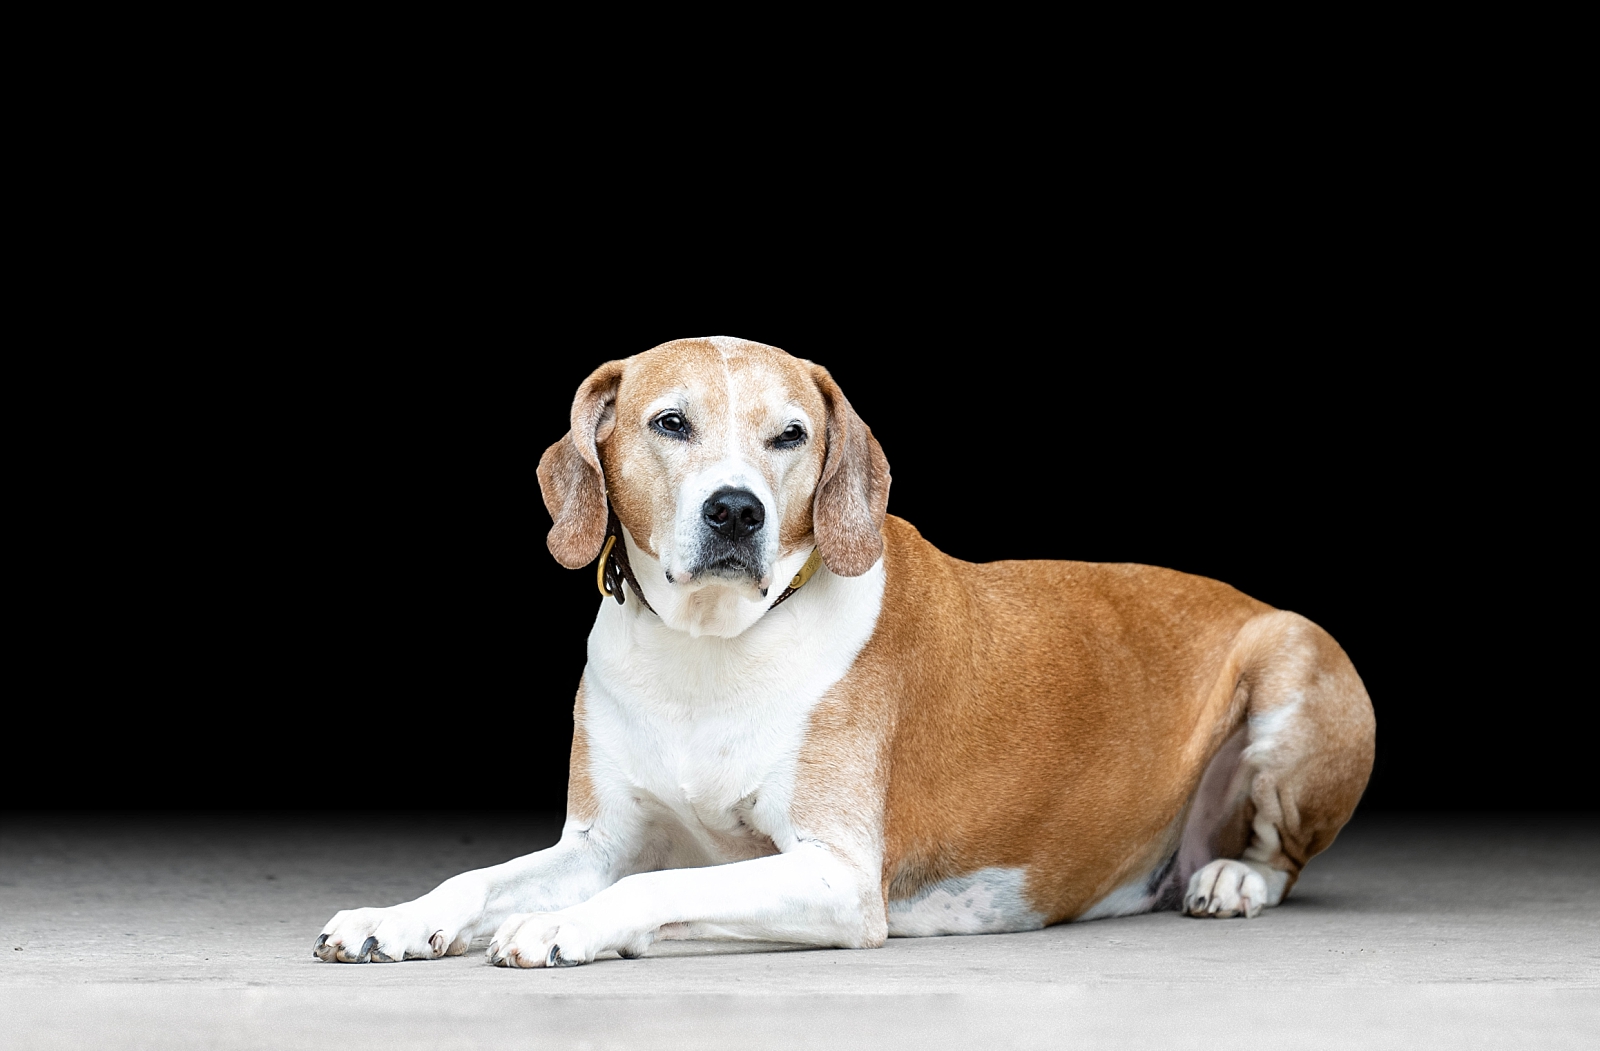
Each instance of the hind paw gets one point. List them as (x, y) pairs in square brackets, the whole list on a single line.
[(1233, 888)]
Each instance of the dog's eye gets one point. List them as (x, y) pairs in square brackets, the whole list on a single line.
[(672, 423), (792, 435)]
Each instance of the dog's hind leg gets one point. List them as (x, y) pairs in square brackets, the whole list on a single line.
[(1280, 788)]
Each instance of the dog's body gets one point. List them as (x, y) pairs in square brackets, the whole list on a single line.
[(904, 744)]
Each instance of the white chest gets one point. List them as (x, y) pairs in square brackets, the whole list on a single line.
[(707, 730)]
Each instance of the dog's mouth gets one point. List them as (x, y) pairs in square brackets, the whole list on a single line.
[(731, 568)]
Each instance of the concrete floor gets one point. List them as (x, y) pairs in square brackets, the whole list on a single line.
[(196, 932)]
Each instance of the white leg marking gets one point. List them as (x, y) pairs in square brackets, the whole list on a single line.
[(808, 895)]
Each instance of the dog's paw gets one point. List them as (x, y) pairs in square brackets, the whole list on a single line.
[(555, 939), (402, 932), (1226, 888)]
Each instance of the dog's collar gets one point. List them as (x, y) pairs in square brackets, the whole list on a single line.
[(614, 569), (798, 581)]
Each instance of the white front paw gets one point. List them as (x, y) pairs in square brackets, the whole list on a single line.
[(556, 939), (1226, 888), (412, 931)]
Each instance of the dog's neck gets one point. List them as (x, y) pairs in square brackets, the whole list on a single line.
[(714, 608)]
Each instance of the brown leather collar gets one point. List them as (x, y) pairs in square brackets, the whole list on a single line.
[(614, 569)]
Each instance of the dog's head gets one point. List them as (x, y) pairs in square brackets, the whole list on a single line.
[(723, 459)]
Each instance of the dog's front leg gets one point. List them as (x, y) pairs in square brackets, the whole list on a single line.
[(810, 895), (444, 921)]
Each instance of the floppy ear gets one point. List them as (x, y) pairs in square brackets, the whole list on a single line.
[(570, 476), (853, 492)]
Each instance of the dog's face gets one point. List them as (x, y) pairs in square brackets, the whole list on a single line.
[(721, 458)]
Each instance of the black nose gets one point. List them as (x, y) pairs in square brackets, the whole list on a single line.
[(733, 513)]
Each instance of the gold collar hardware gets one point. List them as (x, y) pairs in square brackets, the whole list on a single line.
[(813, 564), (807, 570), (600, 567)]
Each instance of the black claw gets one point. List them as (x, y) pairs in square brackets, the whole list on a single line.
[(367, 947), (316, 950), (1200, 902)]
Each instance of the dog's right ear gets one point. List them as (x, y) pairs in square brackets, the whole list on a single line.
[(570, 475)]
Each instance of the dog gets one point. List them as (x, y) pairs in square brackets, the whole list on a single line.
[(801, 722)]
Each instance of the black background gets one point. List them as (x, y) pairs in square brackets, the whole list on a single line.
[(289, 547)]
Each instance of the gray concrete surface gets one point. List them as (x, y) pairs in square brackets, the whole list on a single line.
[(196, 932)]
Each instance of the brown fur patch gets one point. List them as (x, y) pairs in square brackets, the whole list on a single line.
[(582, 801)]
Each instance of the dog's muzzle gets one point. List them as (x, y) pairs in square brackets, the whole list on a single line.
[(734, 520)]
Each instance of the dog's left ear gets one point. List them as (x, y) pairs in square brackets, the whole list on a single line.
[(570, 475), (853, 492)]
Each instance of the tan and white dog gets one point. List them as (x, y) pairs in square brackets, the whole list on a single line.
[(908, 744)]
